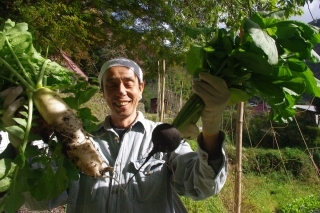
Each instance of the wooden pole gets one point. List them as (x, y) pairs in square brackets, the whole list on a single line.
[(180, 105), (238, 186), (163, 81), (159, 94)]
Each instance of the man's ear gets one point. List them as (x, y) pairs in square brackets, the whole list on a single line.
[(141, 86)]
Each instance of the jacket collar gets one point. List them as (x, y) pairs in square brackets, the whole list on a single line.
[(107, 124)]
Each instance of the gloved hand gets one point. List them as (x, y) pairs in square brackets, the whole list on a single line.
[(215, 94), (11, 103)]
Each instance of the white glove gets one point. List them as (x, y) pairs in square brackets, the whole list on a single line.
[(215, 94), (11, 103)]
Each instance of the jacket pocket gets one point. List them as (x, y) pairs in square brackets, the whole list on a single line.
[(150, 183)]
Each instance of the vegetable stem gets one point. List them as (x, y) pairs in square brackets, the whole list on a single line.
[(18, 62), (41, 74), (190, 112), (16, 171), (221, 67), (8, 79), (32, 68), (29, 121), (21, 79)]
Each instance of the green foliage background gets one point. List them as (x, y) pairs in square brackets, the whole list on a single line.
[(145, 30)]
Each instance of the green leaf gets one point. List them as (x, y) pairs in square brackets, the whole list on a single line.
[(5, 184), (21, 121), (32, 152), (87, 94), (196, 32), (297, 65), (237, 95), (282, 115), (291, 98), (236, 80), (282, 32), (52, 181), (262, 21), (71, 169), (41, 189), (297, 44), (11, 203), (315, 58), (16, 131), (311, 82), (194, 58), (61, 182), (193, 32), (87, 119), (13, 199), (8, 25), (308, 32), (71, 102), (267, 88), (228, 72), (23, 113), (227, 43), (295, 84), (262, 40), (2, 40), (253, 62), (7, 167)]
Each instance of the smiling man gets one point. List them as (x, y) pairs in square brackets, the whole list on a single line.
[(122, 90), (124, 140)]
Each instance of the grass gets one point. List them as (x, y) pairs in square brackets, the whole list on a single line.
[(259, 193)]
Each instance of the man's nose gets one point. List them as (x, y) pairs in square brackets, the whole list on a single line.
[(122, 89)]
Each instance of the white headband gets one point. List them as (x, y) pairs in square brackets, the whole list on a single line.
[(121, 62)]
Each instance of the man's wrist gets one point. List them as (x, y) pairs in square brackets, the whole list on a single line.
[(211, 127), (212, 144)]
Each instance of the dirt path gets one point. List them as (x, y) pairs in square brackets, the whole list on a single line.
[(60, 209)]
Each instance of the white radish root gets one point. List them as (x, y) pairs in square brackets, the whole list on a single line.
[(191, 131), (70, 133)]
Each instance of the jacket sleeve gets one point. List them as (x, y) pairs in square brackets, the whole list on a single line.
[(194, 175)]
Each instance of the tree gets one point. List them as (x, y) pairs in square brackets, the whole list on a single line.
[(93, 31), (84, 29)]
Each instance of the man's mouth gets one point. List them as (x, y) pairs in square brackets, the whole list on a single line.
[(122, 103)]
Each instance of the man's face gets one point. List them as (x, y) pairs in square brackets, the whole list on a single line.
[(122, 91)]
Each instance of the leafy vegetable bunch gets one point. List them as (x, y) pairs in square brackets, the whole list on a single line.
[(266, 59), (48, 172)]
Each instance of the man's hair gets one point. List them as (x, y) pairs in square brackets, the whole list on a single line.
[(121, 62)]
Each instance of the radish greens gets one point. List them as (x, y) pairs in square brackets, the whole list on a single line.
[(266, 59), (48, 171)]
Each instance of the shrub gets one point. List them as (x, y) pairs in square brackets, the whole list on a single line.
[(260, 133), (307, 204), (289, 161), (316, 156)]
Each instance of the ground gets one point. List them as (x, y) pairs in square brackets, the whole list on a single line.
[(60, 209)]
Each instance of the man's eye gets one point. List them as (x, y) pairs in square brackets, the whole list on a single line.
[(111, 85), (129, 84)]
